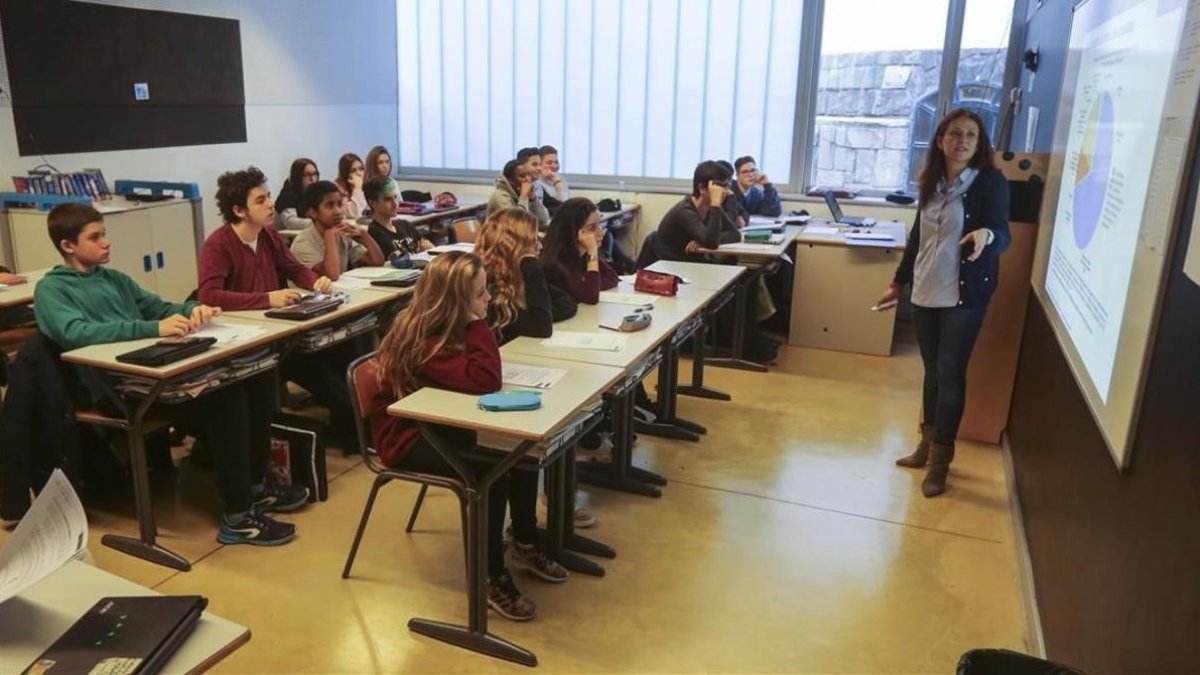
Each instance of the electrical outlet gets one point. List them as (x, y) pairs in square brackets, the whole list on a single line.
[(141, 91)]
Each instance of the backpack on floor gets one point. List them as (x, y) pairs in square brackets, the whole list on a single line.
[(298, 455)]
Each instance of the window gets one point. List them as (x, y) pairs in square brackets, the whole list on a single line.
[(878, 86), (839, 93), (629, 88)]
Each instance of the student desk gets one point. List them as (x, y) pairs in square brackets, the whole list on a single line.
[(616, 223), (757, 258), (102, 358), (640, 355), (466, 206), (40, 614), (836, 283), (21, 294), (361, 302), (560, 404), (701, 276)]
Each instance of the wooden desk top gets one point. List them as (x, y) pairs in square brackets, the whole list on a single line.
[(104, 356), (38, 616), (700, 275), (582, 384), (21, 294)]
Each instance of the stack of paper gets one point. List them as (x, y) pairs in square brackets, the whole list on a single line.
[(230, 333), (53, 532)]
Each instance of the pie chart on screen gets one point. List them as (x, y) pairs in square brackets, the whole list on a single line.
[(1092, 174)]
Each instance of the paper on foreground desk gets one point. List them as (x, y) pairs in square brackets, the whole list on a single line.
[(43, 591)]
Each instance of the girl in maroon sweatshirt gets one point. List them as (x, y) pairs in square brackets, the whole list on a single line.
[(571, 252), (443, 340)]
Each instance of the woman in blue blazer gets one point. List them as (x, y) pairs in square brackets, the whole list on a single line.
[(953, 263)]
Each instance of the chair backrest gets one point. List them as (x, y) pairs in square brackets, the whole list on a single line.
[(465, 229), (362, 378), (649, 253)]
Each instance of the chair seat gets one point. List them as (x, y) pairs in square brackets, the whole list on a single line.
[(97, 418)]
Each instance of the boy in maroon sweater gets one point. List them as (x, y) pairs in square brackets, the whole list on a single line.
[(245, 264)]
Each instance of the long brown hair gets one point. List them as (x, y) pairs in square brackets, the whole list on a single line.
[(345, 165), (373, 159), (434, 320), (506, 237), (935, 159)]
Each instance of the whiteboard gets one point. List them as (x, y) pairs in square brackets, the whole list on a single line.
[(1124, 128)]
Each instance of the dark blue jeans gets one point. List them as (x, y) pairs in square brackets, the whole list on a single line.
[(946, 337)]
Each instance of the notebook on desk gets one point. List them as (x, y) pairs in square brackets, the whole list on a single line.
[(126, 636), (838, 217)]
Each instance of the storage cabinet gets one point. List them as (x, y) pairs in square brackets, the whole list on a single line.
[(156, 244)]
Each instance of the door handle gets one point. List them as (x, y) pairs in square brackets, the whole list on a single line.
[(160, 260), (146, 263)]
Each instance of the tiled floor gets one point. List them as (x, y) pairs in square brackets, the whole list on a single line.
[(786, 542)]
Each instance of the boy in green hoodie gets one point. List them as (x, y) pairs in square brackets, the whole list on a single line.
[(81, 303)]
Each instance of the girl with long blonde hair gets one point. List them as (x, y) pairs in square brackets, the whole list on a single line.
[(443, 340), (521, 305)]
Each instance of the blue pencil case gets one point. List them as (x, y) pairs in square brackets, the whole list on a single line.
[(506, 401)]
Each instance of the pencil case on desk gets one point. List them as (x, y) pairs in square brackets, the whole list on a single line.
[(506, 401)]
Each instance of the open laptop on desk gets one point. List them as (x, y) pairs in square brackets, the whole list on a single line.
[(840, 218)]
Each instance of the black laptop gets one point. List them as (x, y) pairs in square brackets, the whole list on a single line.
[(842, 219), (135, 635)]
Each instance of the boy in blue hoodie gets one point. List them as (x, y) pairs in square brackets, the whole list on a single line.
[(82, 303)]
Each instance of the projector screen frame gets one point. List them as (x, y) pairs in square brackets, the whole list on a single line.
[(1174, 149)]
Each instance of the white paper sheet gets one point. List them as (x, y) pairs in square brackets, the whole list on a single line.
[(605, 342), (349, 283), (53, 532), (821, 230), (230, 333), (870, 236), (381, 272), (636, 299), (522, 375)]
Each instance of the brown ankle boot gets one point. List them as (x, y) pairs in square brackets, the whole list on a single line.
[(940, 457), (921, 455)]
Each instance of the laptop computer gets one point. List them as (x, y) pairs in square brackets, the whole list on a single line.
[(840, 218)]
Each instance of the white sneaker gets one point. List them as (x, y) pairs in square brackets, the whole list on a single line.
[(584, 518), (601, 453)]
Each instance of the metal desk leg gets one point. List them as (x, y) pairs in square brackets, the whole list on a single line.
[(560, 517), (741, 309), (145, 546), (697, 387), (475, 635), (576, 542), (620, 475), (665, 425)]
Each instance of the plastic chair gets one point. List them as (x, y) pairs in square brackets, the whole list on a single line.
[(362, 377), (465, 229)]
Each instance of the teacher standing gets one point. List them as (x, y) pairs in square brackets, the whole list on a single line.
[(953, 263)]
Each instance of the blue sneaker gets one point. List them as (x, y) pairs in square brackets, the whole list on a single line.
[(279, 499), (256, 529)]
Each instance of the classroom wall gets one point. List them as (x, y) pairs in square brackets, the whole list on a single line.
[(1047, 24), (1114, 557), (320, 80)]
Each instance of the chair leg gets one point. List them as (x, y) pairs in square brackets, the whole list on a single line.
[(412, 519), (380, 480)]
